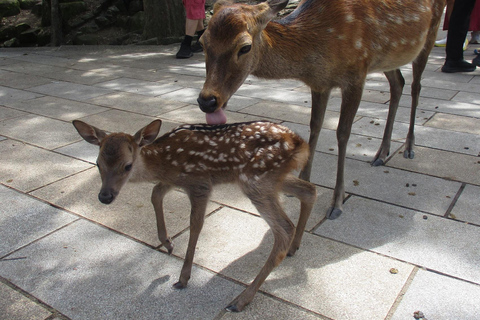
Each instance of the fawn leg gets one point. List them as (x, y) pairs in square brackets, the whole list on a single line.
[(199, 195), (319, 106), (307, 194), (283, 231), (397, 82), (351, 96), (158, 193)]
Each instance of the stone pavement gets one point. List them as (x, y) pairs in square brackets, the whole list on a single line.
[(64, 255)]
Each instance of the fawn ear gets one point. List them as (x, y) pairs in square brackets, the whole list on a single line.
[(220, 3), (89, 133), (148, 134), (268, 10)]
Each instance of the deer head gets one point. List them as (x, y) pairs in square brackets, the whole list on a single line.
[(118, 154)]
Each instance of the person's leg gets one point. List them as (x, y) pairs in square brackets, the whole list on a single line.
[(457, 32), (195, 13)]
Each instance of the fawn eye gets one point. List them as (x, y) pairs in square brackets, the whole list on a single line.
[(128, 167), (244, 49)]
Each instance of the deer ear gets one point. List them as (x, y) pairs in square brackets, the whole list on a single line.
[(148, 134), (89, 133), (268, 10), (220, 3)]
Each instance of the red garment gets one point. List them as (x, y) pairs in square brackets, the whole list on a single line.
[(474, 18), (195, 9)]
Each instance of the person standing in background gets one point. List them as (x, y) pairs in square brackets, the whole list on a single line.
[(195, 13), (457, 32)]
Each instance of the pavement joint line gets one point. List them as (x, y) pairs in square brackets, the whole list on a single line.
[(455, 199), (402, 293)]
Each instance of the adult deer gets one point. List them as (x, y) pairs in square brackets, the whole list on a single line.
[(258, 156), (325, 44)]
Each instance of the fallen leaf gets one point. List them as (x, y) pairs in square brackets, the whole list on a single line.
[(393, 270), (356, 183), (451, 215), (411, 193)]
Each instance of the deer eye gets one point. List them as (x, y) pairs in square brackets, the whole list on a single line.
[(128, 167), (244, 49)]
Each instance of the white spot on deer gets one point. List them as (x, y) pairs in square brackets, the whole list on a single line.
[(349, 18), (175, 163), (286, 145), (330, 30), (179, 150), (243, 177), (232, 150), (358, 44), (212, 143), (242, 145)]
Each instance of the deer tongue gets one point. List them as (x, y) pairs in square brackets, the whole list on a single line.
[(217, 117)]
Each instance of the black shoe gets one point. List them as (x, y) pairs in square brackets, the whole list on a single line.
[(184, 52), (451, 66), (197, 47), (476, 61)]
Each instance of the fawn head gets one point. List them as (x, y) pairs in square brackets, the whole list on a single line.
[(117, 155), (232, 50)]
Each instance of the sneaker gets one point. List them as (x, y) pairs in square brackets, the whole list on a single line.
[(197, 47), (457, 66), (465, 44), (475, 37), (476, 61), (441, 42), (185, 52)]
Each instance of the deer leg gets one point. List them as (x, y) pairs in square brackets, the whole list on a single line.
[(319, 106), (158, 194), (307, 194), (397, 82), (283, 232), (351, 96), (199, 196)]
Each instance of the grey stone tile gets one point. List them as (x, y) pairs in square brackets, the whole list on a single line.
[(438, 163), (280, 95), (375, 127), (417, 191), (26, 167), (453, 107), (237, 244), (231, 196), (73, 91), (88, 272), (16, 306), (57, 108), (131, 213), (359, 147), (266, 308), (85, 77), (137, 103), (21, 81), (81, 150), (193, 114), (467, 207), (461, 142), (436, 243), (468, 97), (9, 95), (455, 123), (138, 86), (439, 297), (186, 95), (40, 131), (8, 113), (25, 219)]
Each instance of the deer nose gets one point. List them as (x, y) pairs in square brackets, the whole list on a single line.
[(106, 197), (207, 105)]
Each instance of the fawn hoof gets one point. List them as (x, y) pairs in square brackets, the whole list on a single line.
[(378, 162), (333, 213), (168, 244), (232, 308), (408, 154), (179, 285)]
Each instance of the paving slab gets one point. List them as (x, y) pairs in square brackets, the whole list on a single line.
[(88, 272), (439, 297), (468, 97), (415, 191), (9, 95), (26, 167), (455, 123), (25, 219), (38, 130), (139, 86), (192, 114), (279, 95), (442, 164), (57, 108), (436, 243), (445, 106), (8, 113), (466, 208), (15, 306), (232, 243), (131, 213), (21, 81), (73, 91)]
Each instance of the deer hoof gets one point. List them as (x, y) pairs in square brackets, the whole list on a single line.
[(333, 213), (179, 285), (292, 252), (409, 154), (232, 308), (378, 162)]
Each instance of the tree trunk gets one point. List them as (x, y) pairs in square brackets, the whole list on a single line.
[(56, 24), (164, 20)]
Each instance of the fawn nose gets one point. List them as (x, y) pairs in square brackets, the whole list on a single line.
[(106, 196), (207, 105)]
